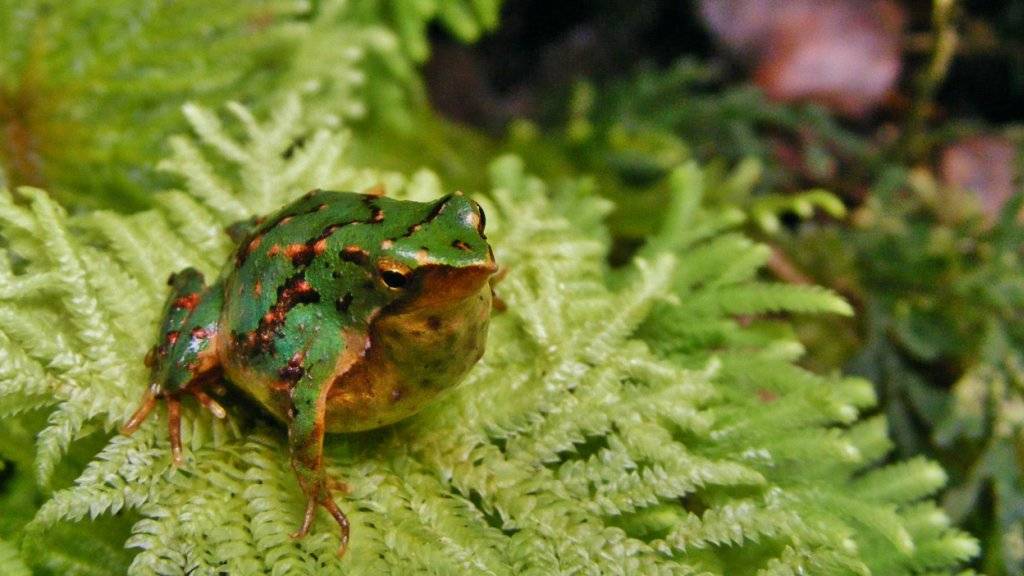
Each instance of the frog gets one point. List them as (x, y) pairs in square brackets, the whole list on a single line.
[(340, 312)]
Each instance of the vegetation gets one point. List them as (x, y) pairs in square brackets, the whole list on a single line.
[(668, 391)]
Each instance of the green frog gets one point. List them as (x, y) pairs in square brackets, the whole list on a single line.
[(340, 312)]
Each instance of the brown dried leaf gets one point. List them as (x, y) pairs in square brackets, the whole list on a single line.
[(983, 165), (844, 54)]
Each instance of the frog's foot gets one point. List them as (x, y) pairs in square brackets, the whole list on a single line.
[(184, 359), (306, 435), (149, 400), (320, 494), (142, 412), (306, 443), (338, 485), (497, 303)]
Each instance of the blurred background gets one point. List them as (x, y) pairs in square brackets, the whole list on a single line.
[(907, 112), (875, 145)]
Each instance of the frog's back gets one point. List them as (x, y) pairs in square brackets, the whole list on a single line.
[(304, 277)]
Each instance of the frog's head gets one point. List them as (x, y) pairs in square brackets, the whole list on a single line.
[(434, 327), (443, 259)]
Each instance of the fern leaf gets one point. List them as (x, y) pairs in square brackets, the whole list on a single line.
[(764, 298), (10, 561), (577, 445)]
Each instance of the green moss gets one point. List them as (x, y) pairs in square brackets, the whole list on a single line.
[(621, 421)]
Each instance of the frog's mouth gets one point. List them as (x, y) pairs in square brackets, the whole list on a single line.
[(441, 286)]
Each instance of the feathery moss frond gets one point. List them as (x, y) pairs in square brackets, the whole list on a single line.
[(585, 441), (89, 89), (10, 561)]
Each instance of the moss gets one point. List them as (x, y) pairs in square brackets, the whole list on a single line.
[(620, 422)]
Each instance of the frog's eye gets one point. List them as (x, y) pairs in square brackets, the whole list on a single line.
[(395, 277)]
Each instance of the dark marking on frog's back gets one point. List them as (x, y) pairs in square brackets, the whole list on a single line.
[(437, 209), (301, 257), (300, 254), (296, 290), (343, 303), (293, 371), (434, 323), (376, 212), (355, 255)]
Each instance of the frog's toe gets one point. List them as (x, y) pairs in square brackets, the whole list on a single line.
[(210, 404), (174, 428), (342, 521), (322, 496), (307, 519), (142, 412), (173, 399), (338, 485), (149, 399)]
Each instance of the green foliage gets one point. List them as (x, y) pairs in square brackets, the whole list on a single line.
[(644, 123), (947, 298), (632, 132), (937, 285), (622, 421), (89, 91), (10, 561), (465, 19)]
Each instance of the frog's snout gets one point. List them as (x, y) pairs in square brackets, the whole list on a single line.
[(468, 213)]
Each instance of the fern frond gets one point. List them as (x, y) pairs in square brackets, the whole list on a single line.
[(466, 19), (11, 563), (903, 482), (576, 446), (137, 64), (763, 298)]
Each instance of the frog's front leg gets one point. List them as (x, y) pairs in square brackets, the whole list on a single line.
[(313, 372), (184, 359), (306, 441)]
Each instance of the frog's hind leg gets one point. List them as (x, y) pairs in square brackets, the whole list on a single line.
[(242, 229), (184, 360)]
